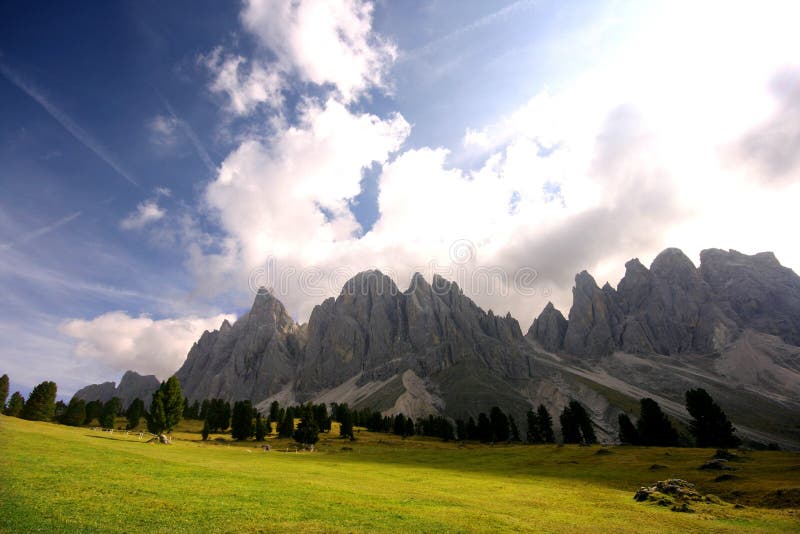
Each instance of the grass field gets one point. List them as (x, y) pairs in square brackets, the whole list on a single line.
[(56, 478)]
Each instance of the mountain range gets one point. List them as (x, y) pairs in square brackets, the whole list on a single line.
[(731, 326)]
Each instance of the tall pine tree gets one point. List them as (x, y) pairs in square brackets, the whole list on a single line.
[(3, 391), (709, 425), (135, 413), (627, 432), (15, 404), (242, 420), (654, 427), (76, 412), (41, 404), (166, 408)]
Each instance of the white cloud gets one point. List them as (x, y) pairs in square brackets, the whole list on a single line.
[(290, 193), (622, 162), (145, 213), (163, 131), (121, 342), (246, 84), (324, 42)]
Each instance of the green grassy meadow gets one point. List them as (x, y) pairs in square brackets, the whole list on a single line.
[(63, 479)]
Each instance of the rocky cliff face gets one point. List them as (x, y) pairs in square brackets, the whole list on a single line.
[(755, 291), (252, 359), (676, 308), (549, 329), (375, 330), (131, 386), (731, 326)]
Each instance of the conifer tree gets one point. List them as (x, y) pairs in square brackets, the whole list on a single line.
[(76, 412), (513, 430), (134, 413), (261, 428), (499, 422), (206, 430), (345, 422), (41, 404), (472, 429), (485, 433), (110, 410), (15, 404), (286, 428), (3, 391), (627, 431), (94, 409), (709, 425), (545, 422), (307, 431), (654, 427), (242, 420), (533, 435)]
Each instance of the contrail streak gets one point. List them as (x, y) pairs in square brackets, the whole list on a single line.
[(66, 122)]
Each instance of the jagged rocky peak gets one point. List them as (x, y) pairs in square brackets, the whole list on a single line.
[(589, 330), (756, 291), (251, 359), (549, 328), (131, 386), (673, 265), (225, 326), (269, 312)]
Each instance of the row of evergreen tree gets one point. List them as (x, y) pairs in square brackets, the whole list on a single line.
[(709, 425), (166, 407)]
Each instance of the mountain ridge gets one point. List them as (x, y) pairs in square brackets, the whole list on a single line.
[(431, 350)]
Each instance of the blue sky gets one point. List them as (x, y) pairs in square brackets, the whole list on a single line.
[(154, 157)]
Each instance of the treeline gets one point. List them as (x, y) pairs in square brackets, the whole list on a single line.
[(709, 425), (166, 407)]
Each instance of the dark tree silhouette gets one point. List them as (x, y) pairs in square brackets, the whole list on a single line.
[(500, 431), (627, 432), (15, 404), (709, 425), (261, 428), (513, 430), (135, 413), (166, 408), (110, 410), (3, 391), (76, 412), (41, 404), (576, 425), (242, 420), (654, 427)]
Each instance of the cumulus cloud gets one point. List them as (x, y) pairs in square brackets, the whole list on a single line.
[(247, 84), (290, 193), (622, 162), (323, 42), (120, 342), (145, 213)]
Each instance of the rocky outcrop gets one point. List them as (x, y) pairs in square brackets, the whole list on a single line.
[(252, 359), (755, 291), (549, 329), (667, 309), (589, 331), (374, 329), (131, 386), (97, 392), (135, 386)]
